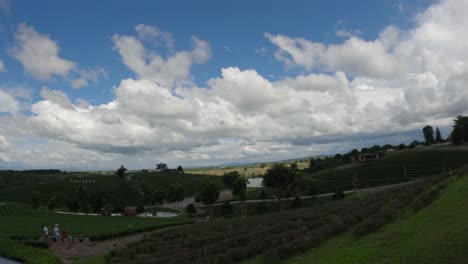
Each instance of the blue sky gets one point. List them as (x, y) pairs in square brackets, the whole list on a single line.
[(92, 84)]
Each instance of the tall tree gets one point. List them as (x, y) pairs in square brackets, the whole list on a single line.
[(462, 121), (208, 195), (312, 164), (230, 177), (279, 178), (458, 135), (161, 166), (293, 166), (121, 171), (180, 169), (175, 193), (239, 189), (438, 136), (428, 133)]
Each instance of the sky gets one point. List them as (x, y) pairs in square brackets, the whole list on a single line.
[(91, 85)]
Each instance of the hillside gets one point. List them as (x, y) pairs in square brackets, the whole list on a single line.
[(418, 162), (437, 234)]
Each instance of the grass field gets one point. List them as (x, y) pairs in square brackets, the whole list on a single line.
[(28, 255), (419, 162), (21, 221), (437, 234)]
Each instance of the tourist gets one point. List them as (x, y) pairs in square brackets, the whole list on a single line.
[(57, 233), (45, 234)]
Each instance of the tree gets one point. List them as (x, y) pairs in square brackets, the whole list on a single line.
[(230, 177), (428, 133), (208, 195), (263, 165), (180, 169), (161, 166), (52, 203), (312, 164), (263, 195), (293, 166), (239, 189), (157, 196), (121, 171), (191, 210), (462, 121), (438, 136), (458, 135), (35, 200), (72, 204), (175, 193), (279, 178)]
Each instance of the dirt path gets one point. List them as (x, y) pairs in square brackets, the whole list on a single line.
[(69, 252)]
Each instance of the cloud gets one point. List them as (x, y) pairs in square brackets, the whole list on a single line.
[(2, 67), (149, 65), (8, 104), (355, 93), (155, 35), (39, 54), (89, 75)]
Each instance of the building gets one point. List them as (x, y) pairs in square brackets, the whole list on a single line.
[(366, 157)]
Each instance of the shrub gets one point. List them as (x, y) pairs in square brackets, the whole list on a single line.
[(190, 210), (36, 243), (368, 226)]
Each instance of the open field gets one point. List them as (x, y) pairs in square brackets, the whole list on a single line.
[(21, 221), (437, 234), (247, 170)]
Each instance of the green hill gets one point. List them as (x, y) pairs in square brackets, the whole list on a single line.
[(436, 234), (418, 162)]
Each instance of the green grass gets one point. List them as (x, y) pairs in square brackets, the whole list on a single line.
[(420, 162), (14, 250), (436, 234), (98, 259), (21, 221)]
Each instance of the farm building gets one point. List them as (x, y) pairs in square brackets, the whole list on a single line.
[(366, 157)]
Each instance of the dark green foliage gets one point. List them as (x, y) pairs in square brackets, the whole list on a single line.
[(458, 135), (262, 208), (190, 209), (121, 171), (175, 193), (17, 251), (369, 226), (239, 189), (180, 169), (226, 208), (279, 178), (82, 194), (462, 121), (428, 133), (140, 209), (52, 203), (263, 195), (157, 196), (438, 136), (161, 167), (35, 200), (209, 194), (230, 177), (36, 243)]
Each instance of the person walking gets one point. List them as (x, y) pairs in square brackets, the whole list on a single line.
[(57, 233), (45, 233)]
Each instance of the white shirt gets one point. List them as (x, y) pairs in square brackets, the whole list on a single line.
[(46, 231), (56, 231)]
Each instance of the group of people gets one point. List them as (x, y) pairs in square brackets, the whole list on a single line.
[(57, 235)]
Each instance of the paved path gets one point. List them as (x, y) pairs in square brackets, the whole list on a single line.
[(8, 261)]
